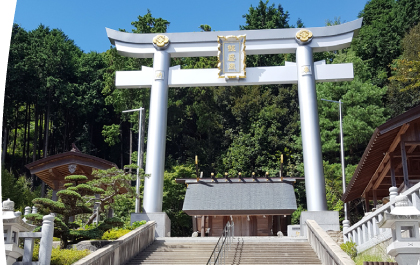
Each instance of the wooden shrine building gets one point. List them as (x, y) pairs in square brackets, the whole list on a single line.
[(53, 169), (257, 206), (392, 158)]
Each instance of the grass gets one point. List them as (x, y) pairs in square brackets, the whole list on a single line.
[(371, 257)]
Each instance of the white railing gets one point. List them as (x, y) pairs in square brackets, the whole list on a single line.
[(221, 250), (366, 232), (327, 250)]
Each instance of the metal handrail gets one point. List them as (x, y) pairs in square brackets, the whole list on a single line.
[(225, 240)]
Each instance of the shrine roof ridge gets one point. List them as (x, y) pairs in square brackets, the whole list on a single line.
[(262, 34)]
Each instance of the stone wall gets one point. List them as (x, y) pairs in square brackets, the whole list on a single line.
[(122, 249)]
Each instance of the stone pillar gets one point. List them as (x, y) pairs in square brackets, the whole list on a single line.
[(309, 120), (45, 246), (393, 192), (34, 209), (156, 138), (54, 195), (346, 226), (27, 210)]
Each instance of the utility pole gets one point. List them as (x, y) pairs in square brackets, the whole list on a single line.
[(343, 173), (140, 152)]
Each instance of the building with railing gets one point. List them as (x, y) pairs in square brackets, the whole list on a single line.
[(390, 165)]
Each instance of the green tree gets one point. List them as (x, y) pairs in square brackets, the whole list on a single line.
[(404, 87), (17, 190), (173, 199), (378, 39), (70, 203), (385, 22), (363, 110), (266, 16), (116, 184)]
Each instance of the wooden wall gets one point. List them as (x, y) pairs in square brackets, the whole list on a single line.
[(258, 225)]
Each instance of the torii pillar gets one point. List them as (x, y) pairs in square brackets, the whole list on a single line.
[(304, 72)]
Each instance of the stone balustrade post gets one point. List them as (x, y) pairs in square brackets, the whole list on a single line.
[(393, 192), (375, 226), (415, 199), (370, 229), (354, 236), (359, 236), (45, 246), (34, 209), (346, 226), (365, 233)]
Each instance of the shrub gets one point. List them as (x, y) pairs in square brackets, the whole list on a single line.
[(136, 224), (62, 256), (67, 256), (350, 248), (114, 234)]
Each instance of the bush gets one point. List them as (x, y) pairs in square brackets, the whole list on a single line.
[(67, 256), (116, 233), (136, 224), (62, 256), (350, 248)]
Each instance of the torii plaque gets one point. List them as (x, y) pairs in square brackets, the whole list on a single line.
[(303, 42)]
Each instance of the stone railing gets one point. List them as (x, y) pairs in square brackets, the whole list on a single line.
[(327, 250), (366, 233), (122, 249)]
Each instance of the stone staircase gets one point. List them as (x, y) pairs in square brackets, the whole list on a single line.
[(244, 250)]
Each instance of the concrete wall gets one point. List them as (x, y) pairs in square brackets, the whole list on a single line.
[(327, 250), (122, 249)]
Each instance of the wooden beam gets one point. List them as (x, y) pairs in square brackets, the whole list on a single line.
[(375, 201), (404, 164), (391, 149), (53, 172), (411, 143), (411, 149), (367, 203), (393, 180), (203, 226), (194, 222), (397, 139), (85, 170), (383, 174)]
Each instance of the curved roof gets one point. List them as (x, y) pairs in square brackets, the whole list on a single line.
[(53, 169), (384, 141)]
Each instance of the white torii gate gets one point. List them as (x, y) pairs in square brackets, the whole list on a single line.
[(303, 42)]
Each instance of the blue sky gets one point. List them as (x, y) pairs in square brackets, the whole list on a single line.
[(85, 21)]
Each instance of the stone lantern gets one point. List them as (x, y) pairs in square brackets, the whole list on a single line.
[(12, 226), (404, 223)]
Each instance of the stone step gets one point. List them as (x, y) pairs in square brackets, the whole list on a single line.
[(242, 251)]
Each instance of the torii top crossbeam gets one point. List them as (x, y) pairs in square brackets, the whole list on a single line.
[(303, 42), (265, 41)]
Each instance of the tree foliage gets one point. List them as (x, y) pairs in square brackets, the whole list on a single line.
[(407, 68), (56, 91), (70, 203)]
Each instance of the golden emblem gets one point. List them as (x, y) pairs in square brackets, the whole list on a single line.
[(306, 69), (303, 35), (161, 40)]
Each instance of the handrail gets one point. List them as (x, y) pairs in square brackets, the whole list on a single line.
[(325, 247), (366, 232), (225, 240)]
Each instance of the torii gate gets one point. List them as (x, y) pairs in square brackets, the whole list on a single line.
[(161, 47)]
